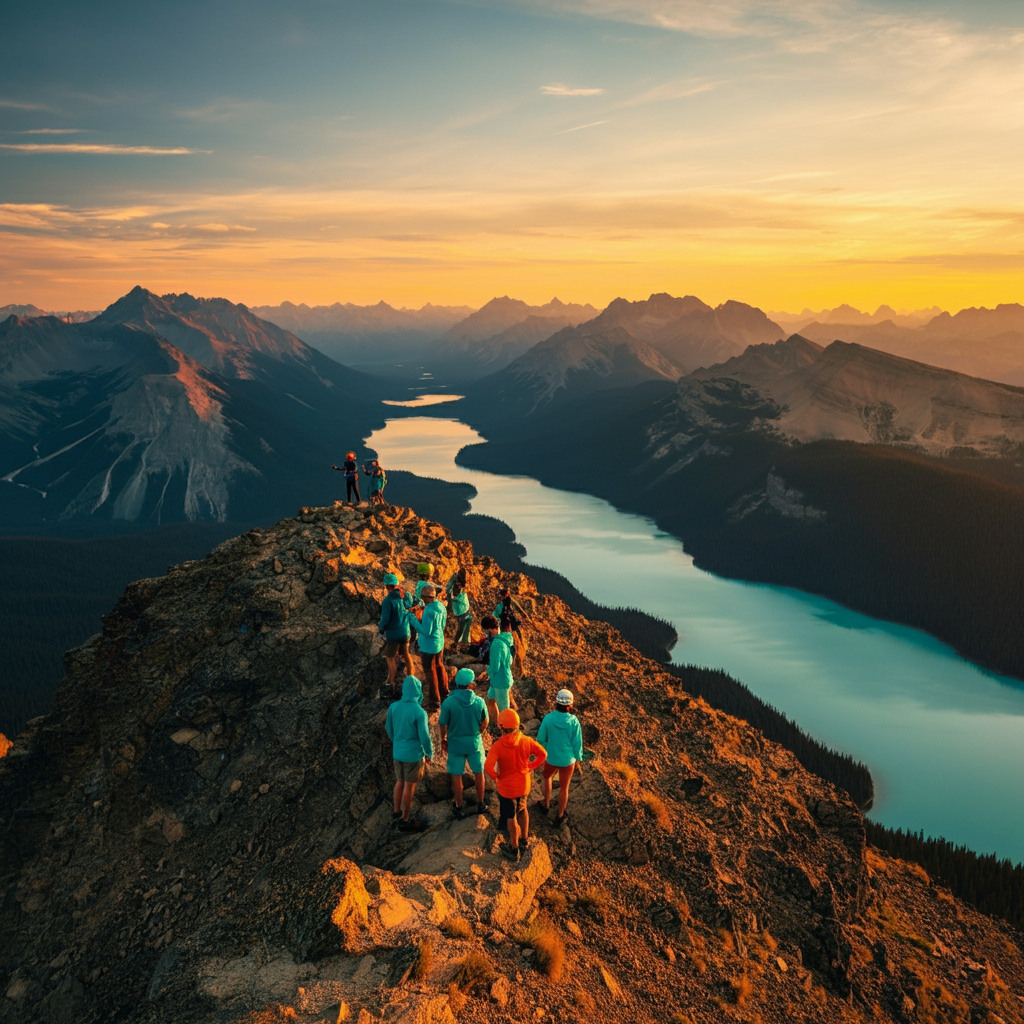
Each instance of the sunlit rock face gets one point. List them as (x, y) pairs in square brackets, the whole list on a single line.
[(201, 829), (163, 409)]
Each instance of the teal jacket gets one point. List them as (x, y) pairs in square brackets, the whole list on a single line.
[(499, 665), (460, 602), (431, 628), (463, 712), (406, 725), (560, 734), (394, 620)]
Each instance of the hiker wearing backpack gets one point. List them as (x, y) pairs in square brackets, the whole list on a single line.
[(456, 589), (351, 470), (394, 624), (505, 613)]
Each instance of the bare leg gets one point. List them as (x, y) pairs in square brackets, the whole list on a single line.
[(548, 780), (392, 670), (563, 792), (479, 780), (523, 823), (409, 789), (513, 830), (399, 786), (457, 789), (492, 710)]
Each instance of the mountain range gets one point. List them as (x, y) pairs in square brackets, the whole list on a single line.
[(847, 314), (365, 334), (76, 316), (167, 408)]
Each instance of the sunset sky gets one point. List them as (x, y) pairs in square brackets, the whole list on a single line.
[(788, 153)]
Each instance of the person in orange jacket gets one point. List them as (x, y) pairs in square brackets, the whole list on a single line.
[(509, 762)]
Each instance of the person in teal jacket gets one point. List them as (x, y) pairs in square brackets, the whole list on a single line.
[(499, 668), (424, 570), (560, 734), (505, 612), (430, 633), (408, 729), (462, 722), (394, 624), (456, 589)]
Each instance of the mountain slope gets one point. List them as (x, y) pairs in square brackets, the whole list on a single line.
[(201, 830), (570, 363), (502, 313), (850, 392), (493, 354), (112, 419)]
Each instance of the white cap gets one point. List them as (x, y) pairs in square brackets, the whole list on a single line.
[(563, 697)]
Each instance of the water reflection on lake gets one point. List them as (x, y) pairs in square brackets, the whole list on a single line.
[(944, 739)]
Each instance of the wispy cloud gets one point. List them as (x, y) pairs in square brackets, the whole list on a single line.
[(50, 131), (85, 147), (677, 89), (558, 89), (580, 127), (19, 105)]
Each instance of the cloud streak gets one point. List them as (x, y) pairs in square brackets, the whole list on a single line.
[(580, 127), (558, 89), (85, 147)]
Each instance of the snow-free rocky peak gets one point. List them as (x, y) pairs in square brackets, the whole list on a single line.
[(201, 830)]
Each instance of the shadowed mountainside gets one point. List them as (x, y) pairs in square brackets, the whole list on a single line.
[(201, 830)]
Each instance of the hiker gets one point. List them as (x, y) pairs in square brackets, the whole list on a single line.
[(505, 613), (394, 624), (509, 762), (351, 471), (499, 668), (462, 722), (424, 570), (560, 734), (456, 590), (407, 728), (378, 479), (430, 639)]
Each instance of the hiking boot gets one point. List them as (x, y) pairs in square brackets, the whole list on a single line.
[(458, 811), (411, 826), (561, 819), (396, 816), (481, 807), (510, 853), (522, 846), (539, 808)]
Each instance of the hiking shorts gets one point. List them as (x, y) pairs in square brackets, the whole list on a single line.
[(499, 696), (410, 771), (509, 807), (393, 647), (457, 762)]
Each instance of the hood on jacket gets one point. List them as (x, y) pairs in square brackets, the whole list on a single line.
[(506, 638), (412, 690)]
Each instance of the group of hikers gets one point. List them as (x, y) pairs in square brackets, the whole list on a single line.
[(372, 469), (463, 716)]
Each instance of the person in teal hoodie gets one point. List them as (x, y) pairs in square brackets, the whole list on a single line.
[(463, 721), (499, 668), (505, 612), (394, 624), (456, 589), (430, 634), (407, 728), (560, 734)]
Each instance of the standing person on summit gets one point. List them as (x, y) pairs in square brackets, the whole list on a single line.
[(409, 731), (509, 762), (351, 470), (456, 589), (430, 633), (377, 481), (462, 722), (505, 613), (499, 668), (394, 624), (560, 734)]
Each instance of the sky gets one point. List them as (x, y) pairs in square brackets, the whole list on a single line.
[(786, 153)]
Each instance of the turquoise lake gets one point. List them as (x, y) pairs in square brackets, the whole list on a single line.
[(944, 739)]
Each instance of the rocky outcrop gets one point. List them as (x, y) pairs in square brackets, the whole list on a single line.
[(201, 830)]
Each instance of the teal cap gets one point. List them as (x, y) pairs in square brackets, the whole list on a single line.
[(464, 677), (390, 579)]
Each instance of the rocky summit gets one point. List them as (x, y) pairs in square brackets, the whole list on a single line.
[(200, 830)]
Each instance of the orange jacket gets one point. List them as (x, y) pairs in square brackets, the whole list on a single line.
[(510, 761)]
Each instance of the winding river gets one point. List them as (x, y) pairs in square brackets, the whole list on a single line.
[(944, 739)]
